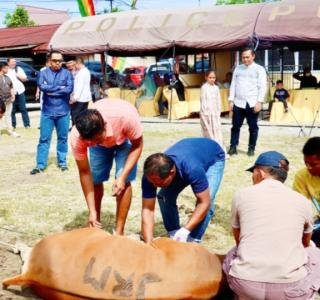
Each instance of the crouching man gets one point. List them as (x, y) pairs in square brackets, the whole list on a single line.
[(272, 227), (112, 131), (198, 162)]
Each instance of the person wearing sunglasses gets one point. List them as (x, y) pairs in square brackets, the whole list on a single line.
[(56, 84)]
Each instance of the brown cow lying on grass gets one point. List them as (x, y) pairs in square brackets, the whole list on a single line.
[(92, 264)]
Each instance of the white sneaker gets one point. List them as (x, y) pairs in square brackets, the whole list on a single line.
[(14, 134)]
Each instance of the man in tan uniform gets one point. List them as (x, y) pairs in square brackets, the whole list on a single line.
[(272, 227)]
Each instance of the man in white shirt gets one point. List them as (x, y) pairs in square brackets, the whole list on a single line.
[(272, 227), (18, 76), (81, 93), (247, 92)]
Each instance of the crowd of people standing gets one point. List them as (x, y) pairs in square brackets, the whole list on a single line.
[(12, 92)]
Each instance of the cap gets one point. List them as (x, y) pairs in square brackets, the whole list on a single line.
[(269, 159)]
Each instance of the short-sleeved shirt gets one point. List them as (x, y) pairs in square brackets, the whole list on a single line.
[(122, 122), (18, 86), (307, 184), (192, 158), (272, 219), (281, 94)]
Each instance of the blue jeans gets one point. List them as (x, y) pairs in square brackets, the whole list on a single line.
[(239, 114), (167, 198), (47, 123), (20, 104), (101, 161)]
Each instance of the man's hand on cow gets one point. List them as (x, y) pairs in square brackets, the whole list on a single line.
[(181, 235), (118, 186), (93, 222), (257, 107)]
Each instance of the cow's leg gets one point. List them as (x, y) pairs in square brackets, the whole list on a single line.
[(123, 205)]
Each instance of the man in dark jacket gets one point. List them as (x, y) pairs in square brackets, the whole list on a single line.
[(307, 80), (56, 84)]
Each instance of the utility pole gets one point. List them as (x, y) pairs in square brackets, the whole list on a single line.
[(111, 2)]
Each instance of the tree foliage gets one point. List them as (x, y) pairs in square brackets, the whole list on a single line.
[(134, 4), (226, 2), (18, 18)]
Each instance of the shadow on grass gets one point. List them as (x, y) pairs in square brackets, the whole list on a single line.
[(159, 230), (108, 221), (25, 292), (222, 217)]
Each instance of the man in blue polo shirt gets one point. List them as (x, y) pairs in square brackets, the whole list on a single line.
[(198, 162)]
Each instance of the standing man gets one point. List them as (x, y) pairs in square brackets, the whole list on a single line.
[(307, 180), (247, 92), (198, 162), (81, 93), (71, 64), (18, 76), (8, 96), (112, 131), (56, 84), (272, 227)]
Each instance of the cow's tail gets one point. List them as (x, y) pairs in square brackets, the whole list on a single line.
[(16, 280)]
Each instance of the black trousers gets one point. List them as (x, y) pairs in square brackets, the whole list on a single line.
[(76, 109), (239, 114)]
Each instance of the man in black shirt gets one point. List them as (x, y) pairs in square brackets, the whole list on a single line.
[(307, 80)]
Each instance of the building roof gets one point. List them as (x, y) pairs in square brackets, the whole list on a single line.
[(45, 16), (32, 37)]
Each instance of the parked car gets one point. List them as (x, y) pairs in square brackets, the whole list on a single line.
[(162, 68), (134, 75), (201, 66), (95, 69)]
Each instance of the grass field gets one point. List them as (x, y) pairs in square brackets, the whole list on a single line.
[(35, 206)]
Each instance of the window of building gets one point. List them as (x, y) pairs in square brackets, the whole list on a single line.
[(305, 59), (316, 60), (274, 62), (260, 54)]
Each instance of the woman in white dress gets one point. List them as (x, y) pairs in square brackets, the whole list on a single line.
[(211, 109)]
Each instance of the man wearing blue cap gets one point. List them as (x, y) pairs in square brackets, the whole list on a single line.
[(272, 227)]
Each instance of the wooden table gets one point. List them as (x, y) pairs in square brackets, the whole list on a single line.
[(192, 95)]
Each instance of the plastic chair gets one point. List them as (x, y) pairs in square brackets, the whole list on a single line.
[(177, 109)]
